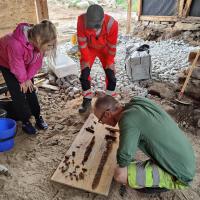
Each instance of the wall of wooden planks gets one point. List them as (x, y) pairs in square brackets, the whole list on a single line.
[(13, 12)]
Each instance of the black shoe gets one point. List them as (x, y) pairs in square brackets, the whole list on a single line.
[(41, 124), (28, 128), (85, 106)]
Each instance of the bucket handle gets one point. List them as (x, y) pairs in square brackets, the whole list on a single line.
[(6, 139)]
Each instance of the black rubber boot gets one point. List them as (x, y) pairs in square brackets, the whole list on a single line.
[(85, 106)]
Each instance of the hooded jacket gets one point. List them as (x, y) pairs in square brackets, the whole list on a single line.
[(19, 55)]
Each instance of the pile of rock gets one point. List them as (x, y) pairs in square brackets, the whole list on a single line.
[(168, 56), (69, 85), (150, 30)]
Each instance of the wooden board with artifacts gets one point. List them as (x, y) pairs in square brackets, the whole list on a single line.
[(90, 161)]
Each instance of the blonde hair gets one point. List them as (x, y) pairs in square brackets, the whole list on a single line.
[(46, 32)]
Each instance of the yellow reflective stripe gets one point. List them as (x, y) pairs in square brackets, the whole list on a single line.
[(167, 181), (83, 46), (111, 53), (82, 39), (132, 175), (111, 45), (149, 178)]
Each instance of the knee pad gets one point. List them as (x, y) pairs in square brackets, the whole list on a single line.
[(84, 78), (85, 73), (110, 75)]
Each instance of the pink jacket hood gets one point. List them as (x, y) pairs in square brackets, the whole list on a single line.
[(19, 55)]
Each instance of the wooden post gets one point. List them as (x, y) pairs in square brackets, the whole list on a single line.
[(180, 7), (187, 8), (128, 25), (139, 9), (42, 9)]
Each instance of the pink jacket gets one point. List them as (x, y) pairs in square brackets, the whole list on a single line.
[(19, 55)]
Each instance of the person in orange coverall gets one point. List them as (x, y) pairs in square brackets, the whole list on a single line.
[(97, 37)]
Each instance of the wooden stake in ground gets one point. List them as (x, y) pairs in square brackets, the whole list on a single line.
[(188, 76), (128, 25)]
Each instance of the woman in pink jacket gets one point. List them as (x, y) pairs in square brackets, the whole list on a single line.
[(21, 54)]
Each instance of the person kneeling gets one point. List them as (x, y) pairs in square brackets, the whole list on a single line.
[(144, 125)]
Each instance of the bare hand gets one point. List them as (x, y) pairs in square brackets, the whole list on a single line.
[(30, 86), (23, 87)]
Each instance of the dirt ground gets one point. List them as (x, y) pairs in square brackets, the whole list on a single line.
[(34, 159)]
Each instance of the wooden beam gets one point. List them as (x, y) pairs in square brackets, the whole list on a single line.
[(139, 9), (187, 8), (128, 25), (42, 9), (180, 7), (158, 18)]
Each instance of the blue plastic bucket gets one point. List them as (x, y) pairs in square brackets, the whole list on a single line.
[(7, 134)]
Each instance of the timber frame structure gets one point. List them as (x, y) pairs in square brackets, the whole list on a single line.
[(41, 9), (17, 11), (182, 15)]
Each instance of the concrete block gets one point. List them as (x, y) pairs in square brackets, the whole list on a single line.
[(63, 66)]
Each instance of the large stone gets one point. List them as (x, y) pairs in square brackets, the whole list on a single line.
[(52, 79), (193, 89), (158, 26), (83, 5), (196, 73), (187, 34), (186, 26), (161, 90)]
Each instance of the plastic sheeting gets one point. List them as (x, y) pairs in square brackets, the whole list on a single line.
[(195, 8), (159, 7)]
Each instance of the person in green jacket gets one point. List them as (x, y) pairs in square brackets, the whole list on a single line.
[(145, 125)]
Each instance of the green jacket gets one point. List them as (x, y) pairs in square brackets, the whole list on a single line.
[(145, 125)]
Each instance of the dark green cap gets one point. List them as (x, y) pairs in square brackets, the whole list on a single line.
[(94, 16)]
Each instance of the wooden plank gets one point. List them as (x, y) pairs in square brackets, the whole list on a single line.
[(139, 9), (39, 81), (158, 18), (43, 83), (2, 81), (42, 9), (129, 11), (82, 140), (187, 7), (14, 12), (180, 7)]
